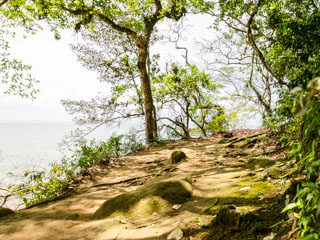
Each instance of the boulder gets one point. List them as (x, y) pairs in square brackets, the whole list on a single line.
[(177, 156), (150, 198), (5, 212)]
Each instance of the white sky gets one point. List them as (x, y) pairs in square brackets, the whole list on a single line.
[(62, 76)]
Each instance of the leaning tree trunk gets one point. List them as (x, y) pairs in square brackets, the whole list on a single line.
[(146, 89)]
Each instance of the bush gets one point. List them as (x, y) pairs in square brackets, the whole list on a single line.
[(305, 206), (41, 186)]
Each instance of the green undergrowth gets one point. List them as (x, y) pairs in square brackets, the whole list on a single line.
[(41, 186), (303, 205)]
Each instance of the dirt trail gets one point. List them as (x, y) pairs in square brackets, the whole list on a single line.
[(216, 170)]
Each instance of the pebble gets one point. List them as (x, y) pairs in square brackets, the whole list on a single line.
[(176, 206)]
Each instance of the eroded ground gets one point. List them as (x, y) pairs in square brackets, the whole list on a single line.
[(222, 175)]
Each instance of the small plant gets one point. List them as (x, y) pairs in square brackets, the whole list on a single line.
[(305, 206), (40, 186)]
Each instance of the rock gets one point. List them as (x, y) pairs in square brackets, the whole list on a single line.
[(246, 142), (176, 234), (5, 212), (150, 198), (223, 140), (263, 175), (211, 209), (227, 216), (270, 237), (238, 164), (73, 217), (256, 163), (177, 156), (176, 206), (227, 135), (274, 172)]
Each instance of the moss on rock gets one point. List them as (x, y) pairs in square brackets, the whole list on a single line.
[(256, 163), (173, 191), (274, 172), (146, 207), (177, 156)]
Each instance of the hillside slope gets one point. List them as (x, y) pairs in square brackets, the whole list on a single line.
[(227, 171)]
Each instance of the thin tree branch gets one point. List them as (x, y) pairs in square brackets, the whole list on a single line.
[(3, 2), (255, 47), (266, 106), (314, 4), (112, 24)]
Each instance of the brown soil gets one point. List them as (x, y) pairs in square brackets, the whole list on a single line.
[(218, 173)]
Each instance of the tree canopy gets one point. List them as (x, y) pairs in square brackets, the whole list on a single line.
[(136, 20)]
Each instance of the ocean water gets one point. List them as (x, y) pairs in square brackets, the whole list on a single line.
[(34, 145), (29, 145)]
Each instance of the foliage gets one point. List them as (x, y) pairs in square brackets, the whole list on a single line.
[(132, 19), (185, 100), (114, 57), (286, 127), (126, 101), (305, 205), (40, 186), (14, 75), (248, 84), (284, 35)]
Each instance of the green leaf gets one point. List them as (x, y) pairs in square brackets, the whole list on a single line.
[(290, 206)]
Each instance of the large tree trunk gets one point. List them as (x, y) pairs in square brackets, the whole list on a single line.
[(147, 94)]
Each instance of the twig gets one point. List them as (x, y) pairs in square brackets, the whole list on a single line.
[(5, 198)]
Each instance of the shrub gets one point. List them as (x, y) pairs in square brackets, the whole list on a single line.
[(41, 186), (305, 206)]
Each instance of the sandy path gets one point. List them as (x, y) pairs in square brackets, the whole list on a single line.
[(70, 218)]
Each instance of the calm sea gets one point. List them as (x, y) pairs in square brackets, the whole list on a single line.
[(34, 145)]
